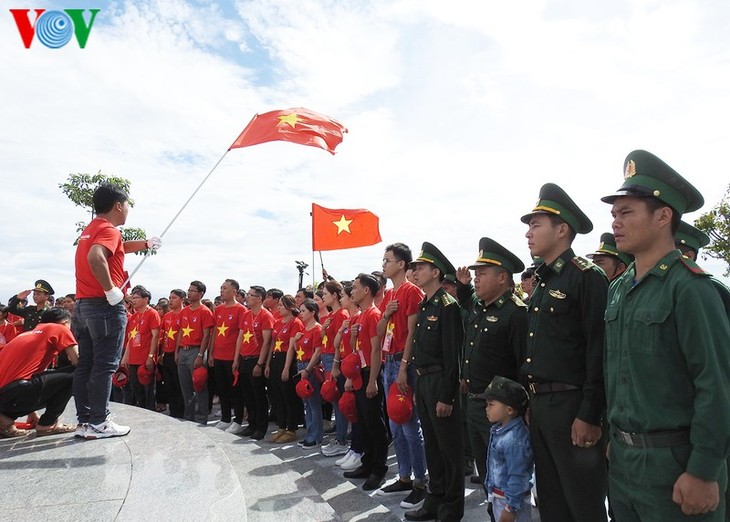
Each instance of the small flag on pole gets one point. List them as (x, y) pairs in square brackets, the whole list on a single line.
[(337, 229), (295, 125)]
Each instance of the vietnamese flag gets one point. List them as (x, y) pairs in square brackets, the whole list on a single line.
[(336, 229), (295, 125)]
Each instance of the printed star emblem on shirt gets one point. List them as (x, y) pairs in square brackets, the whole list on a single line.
[(171, 333), (133, 333), (291, 119), (222, 329), (343, 225), (187, 330), (277, 346), (247, 336), (324, 341), (300, 354)]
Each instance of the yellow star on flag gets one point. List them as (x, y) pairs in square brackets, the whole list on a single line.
[(222, 329), (133, 333), (324, 341), (171, 333), (247, 336), (187, 330), (300, 354), (292, 119), (343, 225), (277, 346)]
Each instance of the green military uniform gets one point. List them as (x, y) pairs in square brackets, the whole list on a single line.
[(608, 248), (437, 345), (563, 368), (494, 343), (31, 314), (690, 238), (667, 365)]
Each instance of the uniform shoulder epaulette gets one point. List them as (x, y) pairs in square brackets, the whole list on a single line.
[(692, 266), (448, 299), (582, 263), (516, 300)]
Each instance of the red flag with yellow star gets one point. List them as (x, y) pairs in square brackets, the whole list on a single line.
[(336, 229), (295, 125)]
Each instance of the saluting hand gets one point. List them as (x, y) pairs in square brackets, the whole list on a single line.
[(25, 293), (463, 274), (694, 495)]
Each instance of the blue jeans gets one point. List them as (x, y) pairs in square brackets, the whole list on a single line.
[(340, 420), (312, 409), (99, 331), (408, 437)]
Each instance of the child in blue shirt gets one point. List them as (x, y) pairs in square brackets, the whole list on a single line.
[(509, 456)]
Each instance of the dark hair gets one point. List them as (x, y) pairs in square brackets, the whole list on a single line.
[(260, 291), (530, 272), (55, 315), (312, 306), (380, 279), (163, 301), (71, 296), (199, 286), (401, 252), (241, 292), (106, 195), (334, 288), (4, 310), (208, 303), (347, 288), (307, 291), (290, 304), (275, 293), (182, 294), (142, 292), (369, 281), (557, 220), (233, 283), (654, 204), (320, 293)]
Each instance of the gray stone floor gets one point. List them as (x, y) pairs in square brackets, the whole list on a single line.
[(167, 469)]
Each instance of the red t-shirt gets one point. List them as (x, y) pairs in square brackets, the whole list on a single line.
[(192, 324), (170, 329), (409, 297), (264, 320), (346, 338), (328, 339), (31, 352), (249, 342), (8, 332), (139, 337), (367, 328), (311, 339), (227, 321), (99, 232), (282, 333)]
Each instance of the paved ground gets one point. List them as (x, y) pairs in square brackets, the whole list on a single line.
[(166, 469)]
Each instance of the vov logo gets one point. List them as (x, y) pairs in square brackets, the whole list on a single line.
[(54, 29)]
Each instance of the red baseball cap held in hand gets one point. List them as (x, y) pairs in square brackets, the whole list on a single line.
[(200, 379), (400, 405), (348, 407), (304, 389), (330, 392), (120, 378), (144, 376), (351, 369)]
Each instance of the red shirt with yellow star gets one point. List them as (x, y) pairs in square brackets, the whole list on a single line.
[(308, 342), (282, 333), (346, 338), (336, 320), (140, 334), (227, 320), (264, 320), (249, 344), (170, 330), (409, 298), (367, 328), (192, 324)]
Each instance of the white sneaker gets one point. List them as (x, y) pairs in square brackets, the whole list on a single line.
[(353, 463), (335, 448), (81, 430), (223, 425), (235, 428), (106, 429), (344, 458)]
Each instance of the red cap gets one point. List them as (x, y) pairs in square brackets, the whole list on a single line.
[(235, 378), (200, 379), (304, 389), (144, 376), (400, 406), (348, 407), (351, 370), (329, 391), (120, 377)]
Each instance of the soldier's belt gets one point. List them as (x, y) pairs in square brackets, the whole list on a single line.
[(654, 439), (551, 387), (425, 370)]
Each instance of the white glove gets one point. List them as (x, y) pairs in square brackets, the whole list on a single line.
[(154, 243), (114, 296)]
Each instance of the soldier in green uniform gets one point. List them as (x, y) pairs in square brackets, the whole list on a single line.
[(689, 240), (611, 260), (495, 334), (32, 314), (563, 364), (436, 355), (667, 338)]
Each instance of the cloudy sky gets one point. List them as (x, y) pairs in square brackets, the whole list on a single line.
[(457, 113)]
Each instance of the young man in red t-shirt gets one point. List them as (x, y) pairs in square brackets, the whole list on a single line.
[(99, 315), (26, 387), (196, 323), (223, 353), (141, 349), (370, 396), (170, 333)]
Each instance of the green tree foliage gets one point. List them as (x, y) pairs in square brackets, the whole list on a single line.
[(716, 224), (79, 188)]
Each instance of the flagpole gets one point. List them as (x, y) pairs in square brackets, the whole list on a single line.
[(313, 288), (129, 278), (321, 265)]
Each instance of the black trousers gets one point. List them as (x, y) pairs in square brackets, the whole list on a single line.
[(137, 394), (172, 386), (50, 390), (224, 385), (371, 419), (253, 390), (287, 405)]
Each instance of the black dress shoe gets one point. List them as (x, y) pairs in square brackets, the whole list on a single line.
[(373, 482), (247, 432), (358, 472), (476, 479), (420, 514), (257, 435)]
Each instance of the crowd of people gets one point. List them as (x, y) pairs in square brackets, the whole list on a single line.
[(596, 377)]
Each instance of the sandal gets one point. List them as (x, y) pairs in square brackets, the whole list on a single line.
[(55, 430), (12, 432)]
